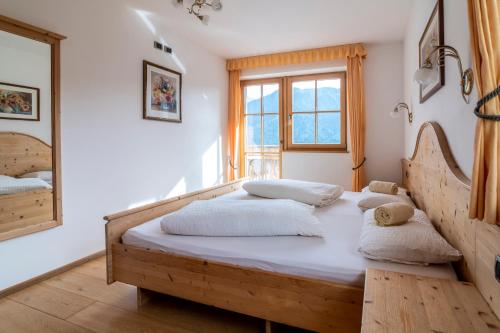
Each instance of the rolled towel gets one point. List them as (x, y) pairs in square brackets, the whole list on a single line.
[(393, 214), (383, 187), (317, 194)]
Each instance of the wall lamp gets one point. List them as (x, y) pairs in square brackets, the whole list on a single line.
[(426, 73), (398, 109)]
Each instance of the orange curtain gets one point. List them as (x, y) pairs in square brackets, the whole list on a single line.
[(356, 112), (234, 126), (484, 23), (297, 57)]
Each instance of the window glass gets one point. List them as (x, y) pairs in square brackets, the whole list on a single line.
[(271, 95), (303, 128), (252, 99), (253, 137), (328, 95), (329, 128), (271, 130), (303, 96)]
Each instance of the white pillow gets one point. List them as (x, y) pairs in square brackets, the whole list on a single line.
[(226, 217), (43, 175), (318, 194), (370, 200), (415, 242)]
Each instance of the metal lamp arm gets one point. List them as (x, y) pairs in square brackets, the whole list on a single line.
[(453, 53)]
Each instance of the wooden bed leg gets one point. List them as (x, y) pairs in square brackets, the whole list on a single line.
[(268, 326), (143, 296)]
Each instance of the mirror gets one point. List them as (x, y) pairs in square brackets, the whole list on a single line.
[(30, 185)]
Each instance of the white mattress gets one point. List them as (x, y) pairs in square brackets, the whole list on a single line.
[(334, 257), (11, 185)]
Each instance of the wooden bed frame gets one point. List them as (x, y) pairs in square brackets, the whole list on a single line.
[(23, 213), (312, 304), (440, 188), (297, 301)]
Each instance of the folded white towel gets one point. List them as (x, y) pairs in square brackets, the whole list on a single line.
[(225, 217), (318, 194)]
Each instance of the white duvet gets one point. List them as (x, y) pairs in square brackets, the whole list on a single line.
[(243, 218), (11, 185), (317, 194)]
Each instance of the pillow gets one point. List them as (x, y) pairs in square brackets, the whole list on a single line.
[(225, 217), (370, 200), (415, 242), (43, 175), (317, 194)]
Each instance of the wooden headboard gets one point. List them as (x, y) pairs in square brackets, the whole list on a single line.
[(440, 188), (22, 153)]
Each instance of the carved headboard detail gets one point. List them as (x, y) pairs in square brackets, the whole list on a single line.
[(22, 153), (440, 188)]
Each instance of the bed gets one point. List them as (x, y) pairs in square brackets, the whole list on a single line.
[(308, 283), (28, 202), (310, 257)]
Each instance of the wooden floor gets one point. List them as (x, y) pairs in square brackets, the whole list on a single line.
[(79, 300)]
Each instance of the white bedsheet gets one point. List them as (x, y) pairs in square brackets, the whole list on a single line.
[(334, 257), (11, 185)]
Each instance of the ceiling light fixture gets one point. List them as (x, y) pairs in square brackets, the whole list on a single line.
[(197, 5)]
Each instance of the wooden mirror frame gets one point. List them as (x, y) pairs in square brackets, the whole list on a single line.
[(41, 35)]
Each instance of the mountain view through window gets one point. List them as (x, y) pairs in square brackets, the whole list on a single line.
[(329, 124)]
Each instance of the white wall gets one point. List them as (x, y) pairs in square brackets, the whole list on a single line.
[(384, 135), (112, 159), (445, 106), (383, 90), (27, 62)]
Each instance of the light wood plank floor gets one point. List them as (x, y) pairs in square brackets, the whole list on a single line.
[(80, 301)]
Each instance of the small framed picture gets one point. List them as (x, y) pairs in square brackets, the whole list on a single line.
[(161, 93), (433, 36), (19, 102)]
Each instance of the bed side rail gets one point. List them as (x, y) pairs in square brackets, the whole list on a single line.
[(117, 224)]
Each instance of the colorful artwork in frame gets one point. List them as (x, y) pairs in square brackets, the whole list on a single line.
[(19, 102), (162, 93), (433, 36)]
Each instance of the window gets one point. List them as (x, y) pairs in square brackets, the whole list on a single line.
[(315, 109), (261, 113)]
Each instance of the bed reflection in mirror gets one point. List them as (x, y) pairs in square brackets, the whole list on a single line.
[(26, 156)]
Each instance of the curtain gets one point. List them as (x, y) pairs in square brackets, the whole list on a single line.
[(234, 127), (484, 23), (297, 57), (356, 112)]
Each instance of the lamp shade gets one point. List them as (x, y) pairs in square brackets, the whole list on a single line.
[(395, 113), (424, 75)]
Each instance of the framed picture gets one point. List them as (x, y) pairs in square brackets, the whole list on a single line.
[(19, 102), (162, 93), (433, 36)]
